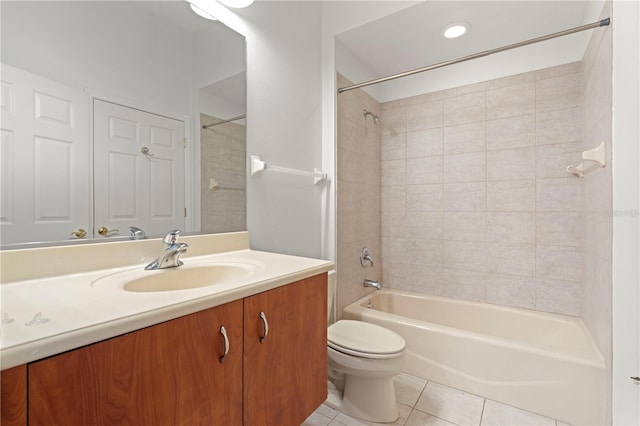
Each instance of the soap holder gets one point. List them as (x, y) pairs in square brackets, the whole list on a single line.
[(591, 160)]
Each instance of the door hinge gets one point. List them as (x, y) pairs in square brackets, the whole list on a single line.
[(184, 142), (185, 212)]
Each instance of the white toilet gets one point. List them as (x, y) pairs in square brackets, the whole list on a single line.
[(363, 359)]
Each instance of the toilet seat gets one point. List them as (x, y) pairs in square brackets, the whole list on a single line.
[(365, 340)]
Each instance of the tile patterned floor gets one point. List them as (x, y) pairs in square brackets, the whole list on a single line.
[(426, 403)]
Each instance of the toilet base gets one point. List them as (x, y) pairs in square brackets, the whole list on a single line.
[(365, 398)]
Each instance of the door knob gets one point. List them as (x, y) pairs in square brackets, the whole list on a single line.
[(104, 231), (79, 233)]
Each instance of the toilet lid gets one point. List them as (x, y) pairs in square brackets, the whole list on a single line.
[(364, 339)]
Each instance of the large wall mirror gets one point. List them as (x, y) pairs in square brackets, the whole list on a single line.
[(117, 116)]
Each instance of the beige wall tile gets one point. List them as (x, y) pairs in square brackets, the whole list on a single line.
[(468, 108), (559, 126), (559, 263), (461, 197), (424, 170), (465, 138), (510, 164), (511, 132), (510, 227), (552, 160), (561, 228), (558, 296), (470, 167), (468, 285), (425, 224), (465, 255), (511, 100), (511, 259), (393, 121), (559, 195), (425, 116), (559, 92), (465, 226), (511, 195), (424, 198), (511, 290), (393, 172), (424, 143)]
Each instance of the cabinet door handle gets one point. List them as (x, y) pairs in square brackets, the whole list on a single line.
[(263, 317), (223, 331)]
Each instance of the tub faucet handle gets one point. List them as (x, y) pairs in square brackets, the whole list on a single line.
[(365, 258)]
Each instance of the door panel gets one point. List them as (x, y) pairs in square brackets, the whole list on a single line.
[(134, 188), (45, 158)]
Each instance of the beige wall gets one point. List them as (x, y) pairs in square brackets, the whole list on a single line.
[(477, 203), (223, 154), (597, 193), (358, 189)]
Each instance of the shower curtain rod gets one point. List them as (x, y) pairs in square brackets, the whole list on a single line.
[(601, 23), (206, 126)]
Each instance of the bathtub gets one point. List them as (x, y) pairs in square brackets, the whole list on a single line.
[(545, 363)]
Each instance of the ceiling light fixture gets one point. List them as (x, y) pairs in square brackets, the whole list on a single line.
[(455, 30), (236, 4)]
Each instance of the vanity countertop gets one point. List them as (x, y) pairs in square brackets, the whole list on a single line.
[(47, 316)]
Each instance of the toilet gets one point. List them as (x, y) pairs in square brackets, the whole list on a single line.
[(363, 359)]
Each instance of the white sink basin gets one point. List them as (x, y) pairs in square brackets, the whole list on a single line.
[(180, 278)]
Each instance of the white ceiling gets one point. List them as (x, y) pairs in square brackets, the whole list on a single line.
[(411, 38)]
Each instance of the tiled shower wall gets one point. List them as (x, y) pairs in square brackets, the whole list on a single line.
[(476, 200), (223, 152), (358, 188), (597, 193)]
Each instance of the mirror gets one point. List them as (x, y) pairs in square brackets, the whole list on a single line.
[(169, 69)]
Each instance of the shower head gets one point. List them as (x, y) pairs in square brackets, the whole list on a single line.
[(375, 117)]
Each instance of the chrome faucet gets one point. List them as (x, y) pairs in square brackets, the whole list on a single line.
[(372, 283), (170, 257), (136, 233)]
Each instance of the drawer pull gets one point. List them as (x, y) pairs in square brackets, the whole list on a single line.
[(266, 326), (223, 331)]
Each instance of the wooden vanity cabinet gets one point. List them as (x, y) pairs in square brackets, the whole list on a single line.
[(168, 374), (13, 396), (285, 374)]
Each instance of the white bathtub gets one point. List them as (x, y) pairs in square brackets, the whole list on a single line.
[(541, 362)]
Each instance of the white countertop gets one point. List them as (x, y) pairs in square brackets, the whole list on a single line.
[(80, 308)]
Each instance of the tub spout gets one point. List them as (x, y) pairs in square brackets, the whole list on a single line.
[(372, 283)]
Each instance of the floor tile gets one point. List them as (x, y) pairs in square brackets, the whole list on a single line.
[(418, 418), (408, 388), (451, 404), (346, 420), (316, 419), (498, 414), (327, 411)]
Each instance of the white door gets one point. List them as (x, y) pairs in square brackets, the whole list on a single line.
[(138, 170), (45, 177)]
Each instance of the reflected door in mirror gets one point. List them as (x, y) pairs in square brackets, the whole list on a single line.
[(139, 170), (45, 174)]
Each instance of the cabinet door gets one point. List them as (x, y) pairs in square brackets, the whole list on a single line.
[(14, 396), (285, 376), (168, 374)]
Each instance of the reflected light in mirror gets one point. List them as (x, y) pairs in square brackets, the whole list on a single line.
[(237, 4), (202, 13)]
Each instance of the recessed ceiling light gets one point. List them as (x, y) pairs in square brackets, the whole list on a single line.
[(455, 30)]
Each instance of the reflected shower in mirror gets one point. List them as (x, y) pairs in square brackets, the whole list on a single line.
[(101, 119)]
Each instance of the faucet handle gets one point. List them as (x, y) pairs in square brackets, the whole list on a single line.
[(171, 237)]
